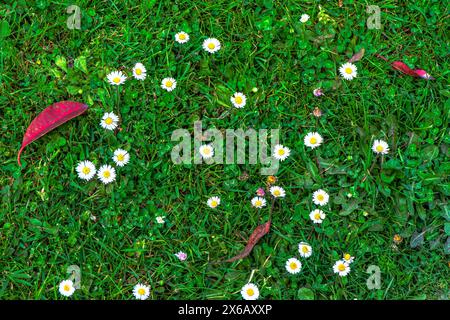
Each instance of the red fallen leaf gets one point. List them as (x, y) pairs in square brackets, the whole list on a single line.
[(402, 67), (357, 56), (50, 118), (257, 234), (423, 74)]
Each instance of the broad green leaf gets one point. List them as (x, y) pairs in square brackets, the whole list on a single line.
[(81, 64), (417, 239), (305, 294)]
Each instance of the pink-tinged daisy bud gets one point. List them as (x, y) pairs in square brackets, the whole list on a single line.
[(318, 92), (423, 74), (181, 255), (260, 192)]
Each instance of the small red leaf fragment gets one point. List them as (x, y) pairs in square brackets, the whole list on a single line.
[(402, 67), (257, 234), (50, 118), (357, 56)]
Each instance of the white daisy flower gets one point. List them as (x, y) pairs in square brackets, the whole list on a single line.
[(121, 157), (168, 84), (160, 219), (139, 71), (313, 140), (277, 191), (206, 151), (293, 266), (304, 249), (320, 197), (106, 174), (238, 100), (250, 292), (348, 258), (211, 45), (213, 202), (109, 121), (317, 216), (281, 152), (348, 71), (86, 170), (380, 146), (182, 37), (66, 288), (141, 292), (258, 202), (116, 78), (342, 268), (304, 18)]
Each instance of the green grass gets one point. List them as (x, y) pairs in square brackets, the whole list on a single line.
[(45, 223)]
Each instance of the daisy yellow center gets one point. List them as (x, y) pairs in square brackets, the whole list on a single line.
[(305, 249), (238, 100), (258, 203), (212, 46), (108, 120), (293, 265), (206, 151), (120, 157), (66, 287), (379, 148), (341, 267), (116, 80), (182, 36), (281, 152), (250, 292), (320, 197), (313, 140), (141, 291), (348, 70), (214, 203), (138, 72), (169, 83), (86, 170), (347, 256), (106, 174), (277, 192), (317, 216)]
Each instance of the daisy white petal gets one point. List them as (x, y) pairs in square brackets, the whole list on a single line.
[(320, 197), (317, 216), (348, 71), (116, 78), (304, 249), (86, 170), (211, 45), (293, 266), (380, 146), (258, 202), (168, 84), (66, 288), (281, 152), (277, 191), (342, 268), (121, 157), (313, 140), (238, 100), (304, 18), (348, 258), (250, 292), (213, 202), (139, 71), (109, 121), (206, 151), (181, 37), (106, 174), (141, 292)]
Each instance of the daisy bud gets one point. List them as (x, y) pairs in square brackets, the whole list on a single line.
[(260, 192)]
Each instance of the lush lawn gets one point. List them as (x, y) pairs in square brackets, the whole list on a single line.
[(46, 216)]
